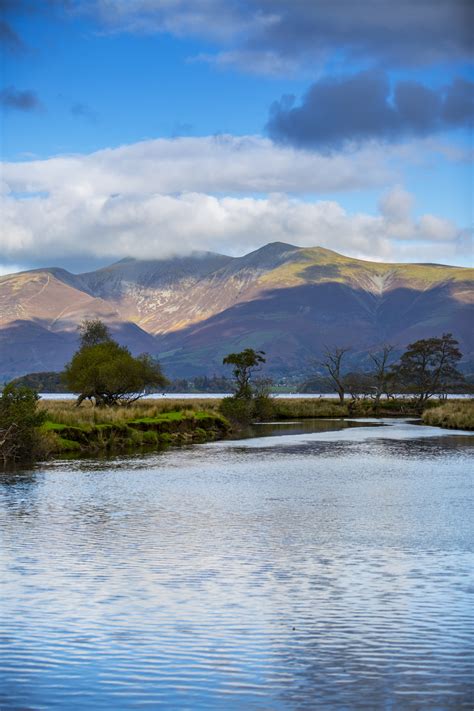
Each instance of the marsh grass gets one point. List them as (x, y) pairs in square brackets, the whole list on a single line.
[(366, 407), (65, 412), (458, 415), (143, 426)]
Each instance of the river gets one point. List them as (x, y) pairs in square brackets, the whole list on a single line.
[(299, 569)]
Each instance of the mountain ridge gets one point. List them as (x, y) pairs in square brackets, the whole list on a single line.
[(188, 310)]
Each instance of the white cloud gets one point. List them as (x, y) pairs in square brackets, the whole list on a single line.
[(397, 204), (228, 194), (212, 164)]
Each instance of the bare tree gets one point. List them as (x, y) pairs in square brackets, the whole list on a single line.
[(332, 363), (381, 374)]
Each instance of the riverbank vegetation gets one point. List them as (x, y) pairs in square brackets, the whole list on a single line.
[(144, 425), (109, 416), (458, 415), (20, 422)]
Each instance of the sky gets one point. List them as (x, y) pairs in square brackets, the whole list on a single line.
[(151, 128)]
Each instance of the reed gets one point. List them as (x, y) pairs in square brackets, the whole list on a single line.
[(458, 415), (65, 411)]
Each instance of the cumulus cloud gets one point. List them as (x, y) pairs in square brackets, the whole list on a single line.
[(213, 164), (126, 202), (282, 33), (361, 107), (26, 100)]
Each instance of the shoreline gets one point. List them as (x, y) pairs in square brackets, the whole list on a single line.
[(154, 424)]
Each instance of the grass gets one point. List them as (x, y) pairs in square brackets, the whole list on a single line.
[(150, 424), (154, 424), (66, 412), (457, 415), (320, 407)]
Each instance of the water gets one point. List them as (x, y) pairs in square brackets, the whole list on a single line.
[(218, 396), (328, 570)]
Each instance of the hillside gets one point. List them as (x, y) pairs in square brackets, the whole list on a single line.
[(191, 311)]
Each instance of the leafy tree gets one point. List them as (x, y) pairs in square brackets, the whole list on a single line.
[(332, 363), (245, 363), (107, 373), (92, 332), (19, 420), (428, 367), (251, 400)]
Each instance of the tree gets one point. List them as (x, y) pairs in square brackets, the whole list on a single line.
[(245, 363), (358, 384), (107, 373), (382, 375), (428, 367), (19, 420), (332, 363), (251, 399), (92, 332)]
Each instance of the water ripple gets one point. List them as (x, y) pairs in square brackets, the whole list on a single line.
[(323, 573)]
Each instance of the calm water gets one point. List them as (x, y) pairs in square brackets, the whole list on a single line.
[(327, 570)]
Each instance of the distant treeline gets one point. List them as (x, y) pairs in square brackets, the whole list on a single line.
[(51, 382)]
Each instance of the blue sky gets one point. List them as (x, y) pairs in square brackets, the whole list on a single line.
[(123, 124)]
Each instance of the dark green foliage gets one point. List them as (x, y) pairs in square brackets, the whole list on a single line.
[(93, 332), (107, 373), (47, 382), (251, 401), (238, 410), (244, 364), (429, 367), (19, 420)]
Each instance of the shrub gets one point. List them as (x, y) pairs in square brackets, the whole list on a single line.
[(264, 408), (19, 421), (238, 410)]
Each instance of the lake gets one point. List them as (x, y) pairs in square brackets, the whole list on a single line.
[(298, 569)]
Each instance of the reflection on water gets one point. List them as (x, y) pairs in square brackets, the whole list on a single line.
[(317, 570)]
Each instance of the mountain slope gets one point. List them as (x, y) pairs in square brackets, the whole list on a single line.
[(192, 310)]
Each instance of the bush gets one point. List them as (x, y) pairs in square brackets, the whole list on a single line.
[(243, 411), (264, 408), (19, 421), (238, 410)]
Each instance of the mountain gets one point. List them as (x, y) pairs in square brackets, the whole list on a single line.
[(191, 311)]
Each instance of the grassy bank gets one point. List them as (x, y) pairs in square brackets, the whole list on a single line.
[(146, 425), (156, 424), (320, 407), (458, 415)]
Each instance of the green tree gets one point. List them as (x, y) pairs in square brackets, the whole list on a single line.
[(429, 367), (92, 332), (244, 365), (19, 422), (251, 399), (107, 373)]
